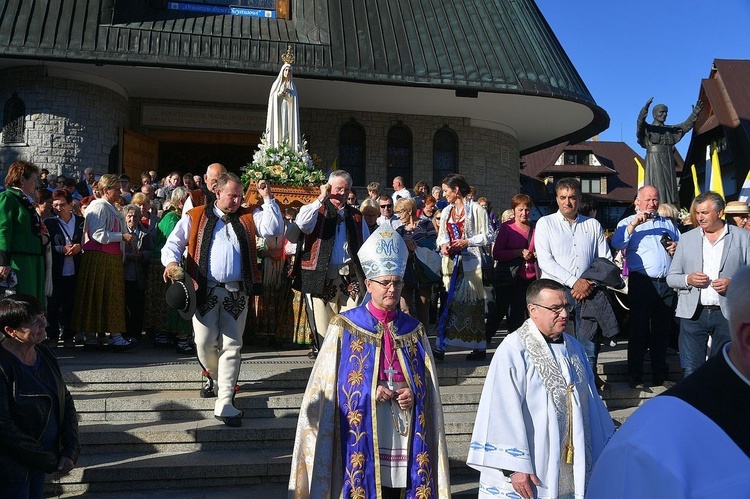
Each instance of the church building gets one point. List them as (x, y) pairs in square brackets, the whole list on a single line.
[(416, 88)]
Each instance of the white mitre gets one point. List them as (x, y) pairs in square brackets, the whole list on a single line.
[(384, 253)]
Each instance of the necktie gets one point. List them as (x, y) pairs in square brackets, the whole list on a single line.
[(227, 221)]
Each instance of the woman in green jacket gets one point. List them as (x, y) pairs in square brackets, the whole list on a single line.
[(21, 231)]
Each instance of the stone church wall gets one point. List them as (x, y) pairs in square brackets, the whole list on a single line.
[(70, 125)]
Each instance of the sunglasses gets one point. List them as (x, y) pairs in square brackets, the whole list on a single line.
[(386, 206), (352, 199)]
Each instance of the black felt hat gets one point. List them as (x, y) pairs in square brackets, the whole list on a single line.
[(181, 297)]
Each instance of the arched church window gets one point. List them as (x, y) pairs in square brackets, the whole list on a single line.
[(400, 152), (444, 154), (14, 120), (352, 157)]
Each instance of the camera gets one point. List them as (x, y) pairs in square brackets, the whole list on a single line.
[(665, 239), (651, 216)]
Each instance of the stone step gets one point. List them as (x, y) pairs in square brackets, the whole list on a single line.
[(211, 434), (187, 405), (143, 471)]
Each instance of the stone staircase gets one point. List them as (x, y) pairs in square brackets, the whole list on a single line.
[(144, 428)]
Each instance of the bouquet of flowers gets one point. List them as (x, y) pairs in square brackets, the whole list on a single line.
[(283, 165)]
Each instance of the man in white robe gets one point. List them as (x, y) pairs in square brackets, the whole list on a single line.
[(694, 440), (541, 424)]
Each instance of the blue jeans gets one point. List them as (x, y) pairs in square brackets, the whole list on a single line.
[(33, 488), (694, 335)]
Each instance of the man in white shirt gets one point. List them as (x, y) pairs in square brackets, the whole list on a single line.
[(330, 273), (222, 261), (702, 270), (694, 440), (567, 243), (399, 190), (541, 424), (386, 205)]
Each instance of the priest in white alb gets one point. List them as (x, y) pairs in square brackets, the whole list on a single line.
[(541, 424), (371, 421)]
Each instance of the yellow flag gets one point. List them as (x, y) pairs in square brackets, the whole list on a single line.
[(333, 165), (716, 184), (695, 181), (641, 173)]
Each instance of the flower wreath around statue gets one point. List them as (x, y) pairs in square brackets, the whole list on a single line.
[(283, 165)]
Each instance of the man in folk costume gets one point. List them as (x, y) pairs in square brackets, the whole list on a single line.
[(330, 272), (541, 425), (222, 261), (371, 421)]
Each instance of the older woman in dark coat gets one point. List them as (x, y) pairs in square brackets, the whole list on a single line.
[(38, 426)]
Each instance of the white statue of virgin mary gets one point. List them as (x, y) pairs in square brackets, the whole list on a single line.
[(282, 121)]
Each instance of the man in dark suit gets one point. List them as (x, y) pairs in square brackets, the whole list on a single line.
[(701, 271), (65, 232), (85, 186)]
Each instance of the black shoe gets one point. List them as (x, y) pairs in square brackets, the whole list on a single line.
[(207, 390), (438, 354), (232, 421), (477, 355), (312, 354)]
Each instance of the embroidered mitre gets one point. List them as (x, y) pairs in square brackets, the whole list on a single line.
[(383, 253)]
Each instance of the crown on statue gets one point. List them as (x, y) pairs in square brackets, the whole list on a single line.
[(288, 57)]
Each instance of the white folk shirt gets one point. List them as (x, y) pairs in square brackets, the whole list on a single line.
[(564, 250), (225, 257), (308, 217), (711, 265)]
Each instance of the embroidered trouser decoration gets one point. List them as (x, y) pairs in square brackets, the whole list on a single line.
[(211, 301), (234, 304), (218, 340)]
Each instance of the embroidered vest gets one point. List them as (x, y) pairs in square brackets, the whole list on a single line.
[(319, 247), (202, 226)]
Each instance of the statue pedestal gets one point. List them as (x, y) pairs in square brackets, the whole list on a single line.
[(286, 196)]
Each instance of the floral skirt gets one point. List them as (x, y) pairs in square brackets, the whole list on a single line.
[(100, 294)]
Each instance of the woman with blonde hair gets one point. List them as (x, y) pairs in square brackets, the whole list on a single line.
[(100, 294)]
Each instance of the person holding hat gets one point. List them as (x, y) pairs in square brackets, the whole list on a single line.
[(371, 421), (222, 265), (737, 212)]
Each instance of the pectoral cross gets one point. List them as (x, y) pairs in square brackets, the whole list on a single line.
[(390, 372)]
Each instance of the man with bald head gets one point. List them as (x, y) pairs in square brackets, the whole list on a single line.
[(650, 241), (694, 440), (205, 195)]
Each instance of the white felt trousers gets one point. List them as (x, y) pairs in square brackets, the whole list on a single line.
[(218, 327)]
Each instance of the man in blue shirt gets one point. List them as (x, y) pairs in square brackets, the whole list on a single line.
[(650, 241)]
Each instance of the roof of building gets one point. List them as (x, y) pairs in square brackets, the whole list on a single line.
[(472, 45), (726, 113), (617, 163)]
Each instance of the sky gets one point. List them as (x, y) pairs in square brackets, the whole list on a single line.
[(628, 51)]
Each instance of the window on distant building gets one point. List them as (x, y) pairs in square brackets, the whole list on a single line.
[(576, 158), (14, 120), (400, 154), (591, 185), (352, 151), (444, 154)]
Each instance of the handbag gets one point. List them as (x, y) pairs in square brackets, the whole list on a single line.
[(506, 272)]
